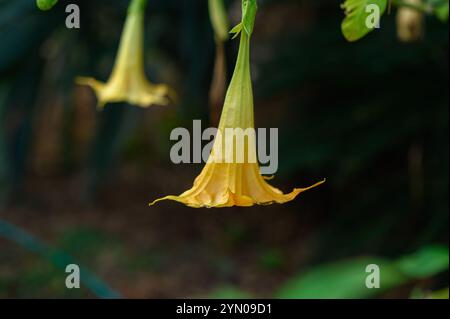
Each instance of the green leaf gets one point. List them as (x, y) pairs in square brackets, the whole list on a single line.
[(346, 279), (137, 5), (354, 26), (343, 279), (45, 5), (425, 262), (442, 11), (236, 30)]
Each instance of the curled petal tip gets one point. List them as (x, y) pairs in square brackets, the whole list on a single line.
[(317, 184), (81, 80), (162, 199), (91, 82), (312, 186)]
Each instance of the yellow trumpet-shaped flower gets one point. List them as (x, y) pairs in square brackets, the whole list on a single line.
[(128, 82), (235, 183)]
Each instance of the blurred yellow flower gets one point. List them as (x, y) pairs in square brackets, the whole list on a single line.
[(232, 183), (410, 21), (128, 82)]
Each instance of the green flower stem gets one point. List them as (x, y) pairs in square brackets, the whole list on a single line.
[(249, 8), (137, 6)]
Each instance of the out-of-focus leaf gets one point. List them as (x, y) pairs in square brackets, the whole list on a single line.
[(354, 26), (46, 4), (343, 279), (440, 294), (425, 262), (346, 279), (442, 10)]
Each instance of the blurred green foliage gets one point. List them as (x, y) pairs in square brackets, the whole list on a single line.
[(441, 294), (354, 26), (359, 12), (339, 280), (49, 271), (347, 279)]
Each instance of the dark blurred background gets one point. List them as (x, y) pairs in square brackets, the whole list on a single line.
[(371, 117)]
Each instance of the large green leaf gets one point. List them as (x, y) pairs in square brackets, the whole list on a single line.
[(339, 280), (354, 26), (425, 262), (346, 279)]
